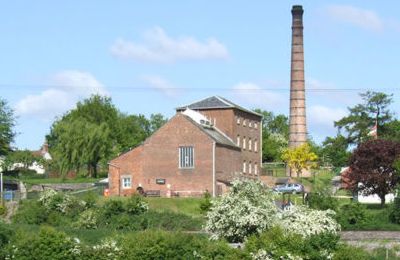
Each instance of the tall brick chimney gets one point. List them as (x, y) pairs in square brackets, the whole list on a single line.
[(297, 116)]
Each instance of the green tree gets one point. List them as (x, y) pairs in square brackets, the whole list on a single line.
[(300, 158), (362, 117), (24, 158), (156, 122), (133, 129), (275, 135), (391, 131), (334, 151), (7, 122)]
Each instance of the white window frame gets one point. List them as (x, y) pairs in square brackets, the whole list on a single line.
[(244, 142), (255, 146), (126, 180), (188, 161), (255, 169), (238, 140), (238, 120), (250, 124), (244, 122), (244, 167), (250, 145)]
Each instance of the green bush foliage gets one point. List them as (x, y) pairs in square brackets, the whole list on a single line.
[(205, 204), (394, 214), (277, 244), (170, 245), (49, 244), (322, 200), (3, 210), (353, 214)]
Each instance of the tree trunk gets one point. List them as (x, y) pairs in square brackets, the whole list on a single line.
[(94, 167), (382, 200)]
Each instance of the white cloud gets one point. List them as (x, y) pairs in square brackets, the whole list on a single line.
[(68, 87), (255, 96), (159, 84), (324, 116), (363, 18), (160, 47)]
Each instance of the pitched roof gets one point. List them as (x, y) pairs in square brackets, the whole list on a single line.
[(215, 102), (214, 133)]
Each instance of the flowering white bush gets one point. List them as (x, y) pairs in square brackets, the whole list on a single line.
[(107, 249), (53, 200), (46, 197), (247, 209), (264, 255), (306, 222), (88, 219)]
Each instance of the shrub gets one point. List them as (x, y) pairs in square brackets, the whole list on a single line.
[(169, 245), (30, 212), (135, 205), (3, 210), (394, 214), (112, 207), (278, 244), (64, 203), (107, 249), (322, 201), (6, 232), (205, 204), (353, 214), (306, 222), (48, 244), (88, 219), (247, 209)]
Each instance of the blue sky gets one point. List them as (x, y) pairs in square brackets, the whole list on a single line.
[(153, 56)]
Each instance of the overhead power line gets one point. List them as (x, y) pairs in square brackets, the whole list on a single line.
[(154, 88)]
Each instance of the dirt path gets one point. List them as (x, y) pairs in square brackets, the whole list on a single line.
[(370, 235)]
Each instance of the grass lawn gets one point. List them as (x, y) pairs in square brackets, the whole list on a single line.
[(188, 206)]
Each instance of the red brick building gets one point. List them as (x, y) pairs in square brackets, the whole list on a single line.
[(202, 148)]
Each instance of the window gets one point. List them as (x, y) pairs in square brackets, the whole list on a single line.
[(255, 169), (244, 166), (244, 142), (255, 125), (255, 146), (186, 157), (250, 144), (238, 120), (250, 124), (238, 140), (126, 182), (244, 122), (250, 167)]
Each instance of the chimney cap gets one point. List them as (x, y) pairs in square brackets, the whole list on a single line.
[(297, 9)]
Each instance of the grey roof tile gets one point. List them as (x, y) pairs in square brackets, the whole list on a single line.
[(215, 102)]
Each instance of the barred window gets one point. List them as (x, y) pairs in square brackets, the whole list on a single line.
[(186, 157)]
